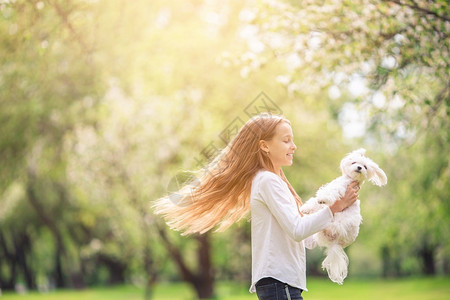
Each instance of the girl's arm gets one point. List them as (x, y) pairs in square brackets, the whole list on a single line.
[(279, 200), (351, 195)]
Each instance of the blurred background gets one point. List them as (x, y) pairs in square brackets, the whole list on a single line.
[(105, 105)]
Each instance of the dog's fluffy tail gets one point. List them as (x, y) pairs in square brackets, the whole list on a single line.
[(336, 263)]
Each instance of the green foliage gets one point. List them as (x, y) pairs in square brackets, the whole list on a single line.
[(390, 57)]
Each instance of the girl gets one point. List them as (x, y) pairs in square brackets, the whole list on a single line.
[(248, 175)]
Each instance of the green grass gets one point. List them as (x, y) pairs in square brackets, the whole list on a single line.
[(319, 289), (395, 289)]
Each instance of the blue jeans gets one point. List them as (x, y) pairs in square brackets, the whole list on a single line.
[(272, 289)]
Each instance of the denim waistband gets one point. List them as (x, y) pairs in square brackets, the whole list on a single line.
[(267, 280)]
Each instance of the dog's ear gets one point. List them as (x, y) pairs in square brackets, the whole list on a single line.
[(360, 151), (375, 174)]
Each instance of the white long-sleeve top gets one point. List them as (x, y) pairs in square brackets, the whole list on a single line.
[(278, 231)]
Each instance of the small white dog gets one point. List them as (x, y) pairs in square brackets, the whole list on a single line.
[(345, 227)]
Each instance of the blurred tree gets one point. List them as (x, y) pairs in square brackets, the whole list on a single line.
[(379, 50), (46, 78), (416, 209)]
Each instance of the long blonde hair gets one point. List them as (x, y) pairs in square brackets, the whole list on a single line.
[(222, 194)]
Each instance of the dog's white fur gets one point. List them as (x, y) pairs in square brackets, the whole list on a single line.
[(345, 227)]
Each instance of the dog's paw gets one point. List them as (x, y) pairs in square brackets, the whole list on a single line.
[(310, 206)]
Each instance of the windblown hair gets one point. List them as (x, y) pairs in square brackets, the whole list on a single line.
[(222, 194)]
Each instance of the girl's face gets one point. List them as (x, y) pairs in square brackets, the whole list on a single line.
[(281, 147)]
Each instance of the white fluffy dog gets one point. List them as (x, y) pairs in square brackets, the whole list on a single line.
[(345, 227)]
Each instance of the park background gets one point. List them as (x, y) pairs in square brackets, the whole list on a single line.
[(107, 105)]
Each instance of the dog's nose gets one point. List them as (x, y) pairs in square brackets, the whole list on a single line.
[(359, 168)]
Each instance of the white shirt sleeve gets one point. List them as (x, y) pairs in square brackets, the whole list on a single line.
[(281, 203), (310, 242)]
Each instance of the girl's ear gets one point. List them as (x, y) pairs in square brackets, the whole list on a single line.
[(376, 174), (263, 146)]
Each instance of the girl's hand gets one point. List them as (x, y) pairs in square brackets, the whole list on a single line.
[(351, 195)]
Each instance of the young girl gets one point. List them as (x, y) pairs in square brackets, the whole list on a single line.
[(248, 175)]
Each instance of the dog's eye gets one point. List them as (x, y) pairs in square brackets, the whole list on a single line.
[(365, 167), (353, 162)]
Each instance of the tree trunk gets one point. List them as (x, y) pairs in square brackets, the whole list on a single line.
[(204, 284), (76, 280), (115, 267), (391, 265), (427, 254), (7, 284), (58, 272), (385, 258), (204, 290), (75, 277), (150, 272), (22, 246), (203, 279), (445, 267)]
